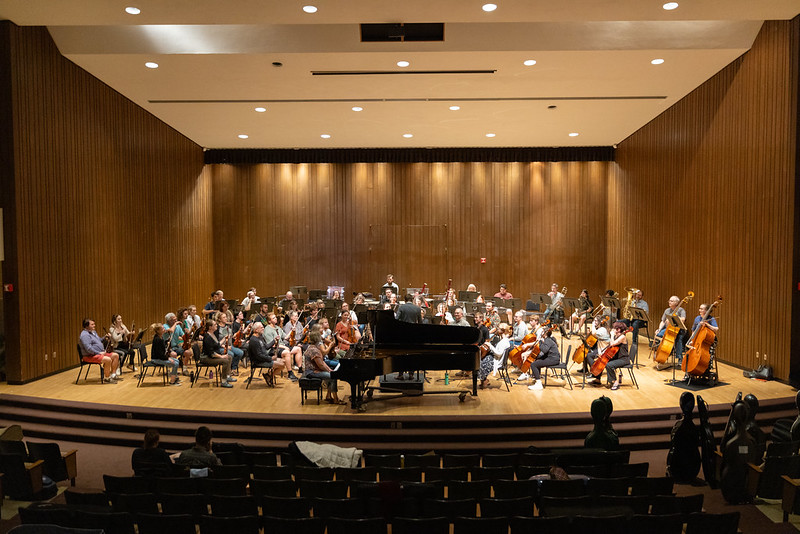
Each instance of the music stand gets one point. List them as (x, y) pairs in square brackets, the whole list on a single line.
[(612, 303), (467, 296), (676, 322), (638, 314)]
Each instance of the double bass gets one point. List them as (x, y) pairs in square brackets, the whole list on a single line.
[(668, 341), (698, 358), (600, 363)]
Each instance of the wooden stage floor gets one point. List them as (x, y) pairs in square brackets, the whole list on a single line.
[(655, 392)]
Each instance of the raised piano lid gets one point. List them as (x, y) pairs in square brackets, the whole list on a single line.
[(389, 331)]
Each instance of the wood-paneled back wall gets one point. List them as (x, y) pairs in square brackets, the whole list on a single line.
[(704, 201), (277, 225), (111, 211)]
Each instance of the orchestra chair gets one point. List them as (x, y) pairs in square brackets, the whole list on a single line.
[(310, 384), (633, 355), (57, 466), (202, 362), (88, 367), (503, 369), (560, 369), (266, 371), (145, 364)]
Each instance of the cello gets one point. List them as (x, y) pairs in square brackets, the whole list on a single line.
[(668, 341), (587, 344), (698, 357), (534, 351), (515, 355), (600, 363)]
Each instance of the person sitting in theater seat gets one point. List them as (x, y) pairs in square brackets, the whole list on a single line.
[(200, 455), (150, 459), (93, 351)]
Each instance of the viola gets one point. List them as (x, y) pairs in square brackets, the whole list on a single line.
[(668, 341), (609, 354), (187, 337), (698, 357)]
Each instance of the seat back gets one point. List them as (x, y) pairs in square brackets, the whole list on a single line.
[(50, 453), (142, 353), (14, 447), (17, 483)]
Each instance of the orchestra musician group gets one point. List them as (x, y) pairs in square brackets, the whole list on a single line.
[(282, 335)]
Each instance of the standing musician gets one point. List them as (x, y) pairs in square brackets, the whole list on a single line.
[(273, 334), (390, 285), (175, 334), (548, 356), (503, 293), (621, 359), (582, 313), (458, 317), (214, 352), (93, 351), (673, 309), (260, 351), (495, 353)]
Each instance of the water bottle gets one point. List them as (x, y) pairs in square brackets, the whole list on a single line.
[(446, 379), (211, 375)]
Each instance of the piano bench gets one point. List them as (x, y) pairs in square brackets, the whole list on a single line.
[(310, 384)]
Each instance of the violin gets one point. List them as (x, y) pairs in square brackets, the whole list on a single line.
[(698, 357), (238, 337), (187, 337), (609, 354), (668, 341)]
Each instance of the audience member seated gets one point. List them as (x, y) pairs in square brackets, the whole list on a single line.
[(150, 459), (200, 455)]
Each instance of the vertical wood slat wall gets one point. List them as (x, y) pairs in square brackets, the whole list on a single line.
[(703, 200), (113, 211), (278, 225)]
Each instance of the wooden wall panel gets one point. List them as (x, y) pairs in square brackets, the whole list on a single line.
[(113, 213), (277, 225), (703, 200)]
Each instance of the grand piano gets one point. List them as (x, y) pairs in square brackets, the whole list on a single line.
[(406, 347)]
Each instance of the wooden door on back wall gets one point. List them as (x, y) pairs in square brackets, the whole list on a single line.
[(415, 254)]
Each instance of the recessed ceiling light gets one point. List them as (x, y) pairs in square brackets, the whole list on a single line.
[(573, 134), (243, 136), (529, 62), (357, 108), (325, 136), (455, 108), (669, 6), (489, 7), (130, 10), (403, 63), (261, 110), (490, 135), (310, 9), (657, 61), (151, 65), (408, 136)]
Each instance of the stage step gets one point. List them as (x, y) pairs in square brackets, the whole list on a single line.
[(125, 426)]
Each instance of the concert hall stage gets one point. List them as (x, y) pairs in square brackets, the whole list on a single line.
[(56, 408)]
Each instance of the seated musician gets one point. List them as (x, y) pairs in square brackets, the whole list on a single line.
[(346, 309), (346, 333), (93, 351), (312, 317), (621, 359), (261, 316), (211, 305), (493, 317), (224, 308), (555, 303), (674, 308), (483, 338), (192, 314), (249, 301), (583, 311), (600, 332), (175, 333), (225, 336), (386, 295), (503, 293), (360, 299), (293, 330), (458, 317), (495, 353), (422, 313), (119, 342), (215, 353), (273, 334), (390, 285), (241, 325), (548, 356), (159, 355), (479, 298), (441, 311), (314, 365), (261, 352), (336, 295), (286, 300), (610, 312), (636, 324), (450, 298), (520, 329), (711, 323)]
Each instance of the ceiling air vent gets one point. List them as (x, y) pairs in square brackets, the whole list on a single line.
[(387, 33)]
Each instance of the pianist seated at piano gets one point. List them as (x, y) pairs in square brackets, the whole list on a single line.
[(314, 365), (495, 352)]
